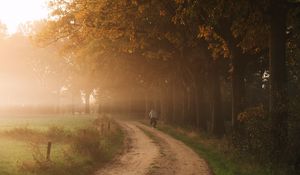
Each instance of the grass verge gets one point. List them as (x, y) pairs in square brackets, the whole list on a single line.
[(221, 159)]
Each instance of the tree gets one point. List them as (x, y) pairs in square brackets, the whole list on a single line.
[(278, 108)]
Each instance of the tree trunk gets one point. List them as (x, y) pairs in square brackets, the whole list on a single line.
[(278, 78), (173, 103), (147, 106), (87, 103), (129, 103), (162, 108), (197, 108), (74, 93), (170, 103), (193, 100), (238, 87), (182, 107), (202, 118), (189, 109), (217, 122), (163, 104), (72, 104), (238, 72)]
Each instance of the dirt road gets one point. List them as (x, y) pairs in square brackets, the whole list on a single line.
[(158, 155)]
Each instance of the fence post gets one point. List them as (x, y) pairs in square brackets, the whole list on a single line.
[(48, 151)]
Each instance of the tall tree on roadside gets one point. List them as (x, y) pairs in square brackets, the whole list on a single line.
[(278, 107)]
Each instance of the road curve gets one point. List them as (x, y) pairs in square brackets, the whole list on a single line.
[(161, 155), (139, 154)]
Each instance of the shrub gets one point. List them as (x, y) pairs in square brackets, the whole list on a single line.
[(256, 136), (88, 142), (58, 134), (39, 162), (87, 147)]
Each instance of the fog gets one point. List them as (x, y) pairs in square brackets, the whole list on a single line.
[(23, 69)]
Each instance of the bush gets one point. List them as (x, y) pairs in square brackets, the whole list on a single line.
[(39, 164), (58, 134), (86, 148), (293, 152), (89, 142), (256, 136)]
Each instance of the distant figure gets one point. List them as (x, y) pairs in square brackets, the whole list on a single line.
[(153, 118)]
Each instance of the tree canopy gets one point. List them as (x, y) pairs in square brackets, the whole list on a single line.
[(201, 63)]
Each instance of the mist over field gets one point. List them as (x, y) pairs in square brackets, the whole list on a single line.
[(149, 87)]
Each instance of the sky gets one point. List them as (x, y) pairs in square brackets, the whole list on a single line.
[(15, 12)]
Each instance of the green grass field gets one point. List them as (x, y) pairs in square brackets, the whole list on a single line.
[(16, 144), (42, 122)]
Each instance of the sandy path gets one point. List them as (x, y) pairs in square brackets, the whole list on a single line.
[(139, 154), (175, 157), (162, 156)]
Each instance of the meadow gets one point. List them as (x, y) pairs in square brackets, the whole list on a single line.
[(24, 139)]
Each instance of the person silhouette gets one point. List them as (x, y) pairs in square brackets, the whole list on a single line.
[(153, 118)]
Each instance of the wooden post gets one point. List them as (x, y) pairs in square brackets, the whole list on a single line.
[(48, 151)]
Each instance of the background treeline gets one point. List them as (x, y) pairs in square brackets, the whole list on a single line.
[(228, 68)]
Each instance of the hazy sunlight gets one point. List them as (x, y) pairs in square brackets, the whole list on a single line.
[(138, 87), (15, 12)]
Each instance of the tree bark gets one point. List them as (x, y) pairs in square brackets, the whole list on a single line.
[(217, 122), (147, 106), (72, 104), (238, 87), (197, 108), (278, 77), (182, 105), (87, 103), (170, 102), (163, 105), (173, 103), (130, 101), (238, 72), (201, 112)]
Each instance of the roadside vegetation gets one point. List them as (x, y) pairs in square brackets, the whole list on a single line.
[(76, 150), (222, 158), (227, 68)]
